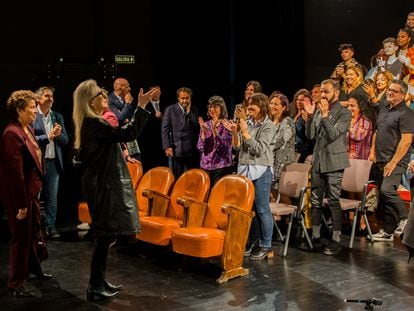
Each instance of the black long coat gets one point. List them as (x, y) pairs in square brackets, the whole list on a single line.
[(105, 179)]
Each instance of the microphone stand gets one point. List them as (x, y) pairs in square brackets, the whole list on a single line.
[(369, 303)]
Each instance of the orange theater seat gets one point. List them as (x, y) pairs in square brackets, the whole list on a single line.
[(165, 214), (405, 195), (135, 171), (225, 227), (83, 212), (157, 179)]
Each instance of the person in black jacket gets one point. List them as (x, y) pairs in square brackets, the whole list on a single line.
[(105, 178)]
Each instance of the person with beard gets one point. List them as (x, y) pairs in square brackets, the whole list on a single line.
[(328, 125)]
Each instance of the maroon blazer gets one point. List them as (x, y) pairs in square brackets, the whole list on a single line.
[(20, 169)]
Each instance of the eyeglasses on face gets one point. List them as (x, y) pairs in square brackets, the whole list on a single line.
[(101, 92), (392, 91)]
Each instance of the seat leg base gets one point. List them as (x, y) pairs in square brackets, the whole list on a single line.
[(230, 274)]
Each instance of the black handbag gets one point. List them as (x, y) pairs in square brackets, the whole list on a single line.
[(41, 251)]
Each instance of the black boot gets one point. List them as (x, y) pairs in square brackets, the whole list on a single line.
[(112, 287), (97, 284), (99, 293), (410, 252)]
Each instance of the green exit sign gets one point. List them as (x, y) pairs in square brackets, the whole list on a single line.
[(124, 59)]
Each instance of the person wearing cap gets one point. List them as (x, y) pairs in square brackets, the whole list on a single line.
[(348, 60)]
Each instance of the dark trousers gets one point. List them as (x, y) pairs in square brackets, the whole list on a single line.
[(216, 174), (25, 236), (182, 164), (329, 185), (389, 200), (99, 259)]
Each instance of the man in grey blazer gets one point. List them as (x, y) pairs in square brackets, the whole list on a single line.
[(327, 124)]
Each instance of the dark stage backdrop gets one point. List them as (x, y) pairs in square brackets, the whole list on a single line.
[(365, 24), (213, 47)]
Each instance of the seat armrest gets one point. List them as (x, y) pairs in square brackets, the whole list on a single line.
[(157, 202), (226, 208), (237, 231), (194, 211), (152, 193)]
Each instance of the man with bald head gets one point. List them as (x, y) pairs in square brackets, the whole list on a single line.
[(120, 103)]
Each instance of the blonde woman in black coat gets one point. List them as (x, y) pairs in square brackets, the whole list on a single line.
[(105, 178)]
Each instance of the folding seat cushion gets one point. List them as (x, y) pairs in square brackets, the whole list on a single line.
[(165, 214), (208, 240)]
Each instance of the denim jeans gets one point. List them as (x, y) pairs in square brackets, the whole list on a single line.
[(261, 229), (50, 191)]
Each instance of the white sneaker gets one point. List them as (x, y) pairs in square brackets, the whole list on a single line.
[(401, 227), (382, 236), (83, 226)]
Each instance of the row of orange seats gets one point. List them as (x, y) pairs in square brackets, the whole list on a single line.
[(194, 220)]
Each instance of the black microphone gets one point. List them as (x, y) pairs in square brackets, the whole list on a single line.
[(373, 301)]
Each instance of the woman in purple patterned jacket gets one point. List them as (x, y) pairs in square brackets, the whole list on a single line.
[(214, 142)]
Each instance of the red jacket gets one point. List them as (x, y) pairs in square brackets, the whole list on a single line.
[(20, 170)]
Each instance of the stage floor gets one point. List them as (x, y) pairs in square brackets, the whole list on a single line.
[(154, 278)]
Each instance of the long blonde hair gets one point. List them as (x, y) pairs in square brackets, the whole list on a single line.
[(81, 108)]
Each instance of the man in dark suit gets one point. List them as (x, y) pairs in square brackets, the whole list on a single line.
[(120, 103), (150, 143), (179, 130), (328, 125), (51, 135)]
